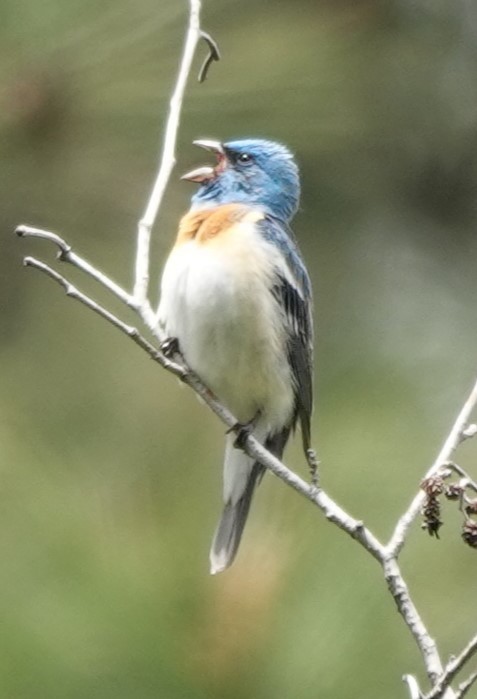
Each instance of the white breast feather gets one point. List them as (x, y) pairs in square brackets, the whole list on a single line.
[(216, 300)]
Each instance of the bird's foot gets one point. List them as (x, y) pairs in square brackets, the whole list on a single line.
[(243, 430), (170, 347), (313, 464)]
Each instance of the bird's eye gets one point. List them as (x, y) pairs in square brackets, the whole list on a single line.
[(244, 158)]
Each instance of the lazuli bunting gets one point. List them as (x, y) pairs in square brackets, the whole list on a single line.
[(237, 297)]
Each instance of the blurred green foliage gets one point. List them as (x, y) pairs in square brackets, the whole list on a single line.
[(109, 472)]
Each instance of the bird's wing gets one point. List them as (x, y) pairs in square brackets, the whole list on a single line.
[(292, 290)]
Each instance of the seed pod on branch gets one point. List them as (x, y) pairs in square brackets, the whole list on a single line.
[(432, 486), (453, 491), (431, 513), (471, 507), (469, 533)]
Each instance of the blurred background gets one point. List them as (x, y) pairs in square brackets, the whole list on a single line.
[(110, 472)]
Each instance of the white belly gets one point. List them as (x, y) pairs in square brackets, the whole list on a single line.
[(215, 299)]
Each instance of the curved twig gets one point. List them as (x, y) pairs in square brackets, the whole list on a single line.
[(413, 686), (213, 55), (66, 254)]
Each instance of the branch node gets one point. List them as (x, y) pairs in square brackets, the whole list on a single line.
[(183, 375), (314, 491), (63, 253), (213, 55), (132, 332), (470, 431)]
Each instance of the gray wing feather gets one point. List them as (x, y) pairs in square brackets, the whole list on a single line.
[(297, 311), (293, 293)]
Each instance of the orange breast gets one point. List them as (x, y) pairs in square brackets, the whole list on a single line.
[(207, 224)]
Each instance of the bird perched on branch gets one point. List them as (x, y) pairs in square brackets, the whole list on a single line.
[(236, 296)]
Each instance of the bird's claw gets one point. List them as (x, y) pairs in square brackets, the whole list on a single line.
[(313, 464), (243, 430), (170, 347)]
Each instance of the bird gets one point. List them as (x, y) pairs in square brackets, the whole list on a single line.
[(236, 300)]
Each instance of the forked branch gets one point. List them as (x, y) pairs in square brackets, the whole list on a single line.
[(455, 437), (452, 668)]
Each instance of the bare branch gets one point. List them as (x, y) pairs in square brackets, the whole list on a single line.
[(465, 686), (168, 160), (128, 330), (66, 254), (213, 55), (452, 668), (450, 445), (406, 607)]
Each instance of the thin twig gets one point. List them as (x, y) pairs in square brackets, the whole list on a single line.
[(66, 254), (129, 330), (168, 160), (464, 687), (452, 668), (413, 686), (213, 55), (450, 445)]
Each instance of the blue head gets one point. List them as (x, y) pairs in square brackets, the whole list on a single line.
[(251, 171)]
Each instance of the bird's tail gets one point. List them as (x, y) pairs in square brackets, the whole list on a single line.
[(241, 476)]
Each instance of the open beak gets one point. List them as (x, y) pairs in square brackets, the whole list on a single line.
[(202, 174)]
